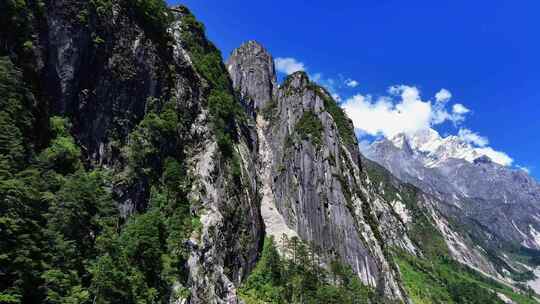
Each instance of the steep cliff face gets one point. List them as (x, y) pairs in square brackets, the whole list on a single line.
[(253, 73), (139, 168), (317, 186), (312, 166)]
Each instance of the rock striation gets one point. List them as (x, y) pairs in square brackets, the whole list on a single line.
[(315, 181), (252, 71)]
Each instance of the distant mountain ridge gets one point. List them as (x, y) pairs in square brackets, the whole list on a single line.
[(436, 149), (501, 198)]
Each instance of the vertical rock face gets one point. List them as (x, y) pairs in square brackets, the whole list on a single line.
[(315, 181), (231, 237), (252, 70), (102, 83), (106, 70)]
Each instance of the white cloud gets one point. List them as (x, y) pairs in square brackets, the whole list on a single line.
[(473, 138), (480, 144), (441, 114), (351, 83), (443, 95), (288, 65), (459, 109), (402, 111), (496, 156)]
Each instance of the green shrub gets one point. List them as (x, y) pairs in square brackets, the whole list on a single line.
[(443, 280), (15, 116), (103, 9), (310, 127), (63, 154), (223, 106), (154, 15), (297, 278), (154, 139), (345, 128)]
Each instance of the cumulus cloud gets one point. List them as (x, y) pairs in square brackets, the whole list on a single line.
[(480, 145), (473, 138), (351, 83), (441, 114), (459, 109), (443, 95), (288, 65), (403, 111), (496, 156)]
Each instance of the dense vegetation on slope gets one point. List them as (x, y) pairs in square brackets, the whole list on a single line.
[(343, 123), (446, 281), (296, 276), (62, 239), (309, 127), (436, 277), (222, 104)]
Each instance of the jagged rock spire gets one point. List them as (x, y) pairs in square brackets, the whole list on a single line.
[(253, 74)]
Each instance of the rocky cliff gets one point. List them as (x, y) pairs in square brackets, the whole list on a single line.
[(318, 186), (133, 80), (314, 176), (141, 168)]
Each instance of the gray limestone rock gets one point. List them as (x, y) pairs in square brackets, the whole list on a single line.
[(252, 71), (316, 180)]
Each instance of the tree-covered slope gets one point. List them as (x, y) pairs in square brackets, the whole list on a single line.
[(124, 171)]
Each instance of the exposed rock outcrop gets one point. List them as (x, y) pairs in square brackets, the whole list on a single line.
[(252, 71), (143, 89), (315, 177), (107, 68)]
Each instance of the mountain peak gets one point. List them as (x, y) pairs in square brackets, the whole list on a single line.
[(253, 73), (297, 80), (401, 141), (424, 139), (251, 44)]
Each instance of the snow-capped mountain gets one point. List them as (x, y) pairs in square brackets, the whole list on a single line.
[(435, 150), (502, 201)]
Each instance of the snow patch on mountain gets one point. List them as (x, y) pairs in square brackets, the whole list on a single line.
[(435, 150)]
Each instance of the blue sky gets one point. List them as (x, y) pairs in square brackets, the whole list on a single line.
[(486, 53)]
